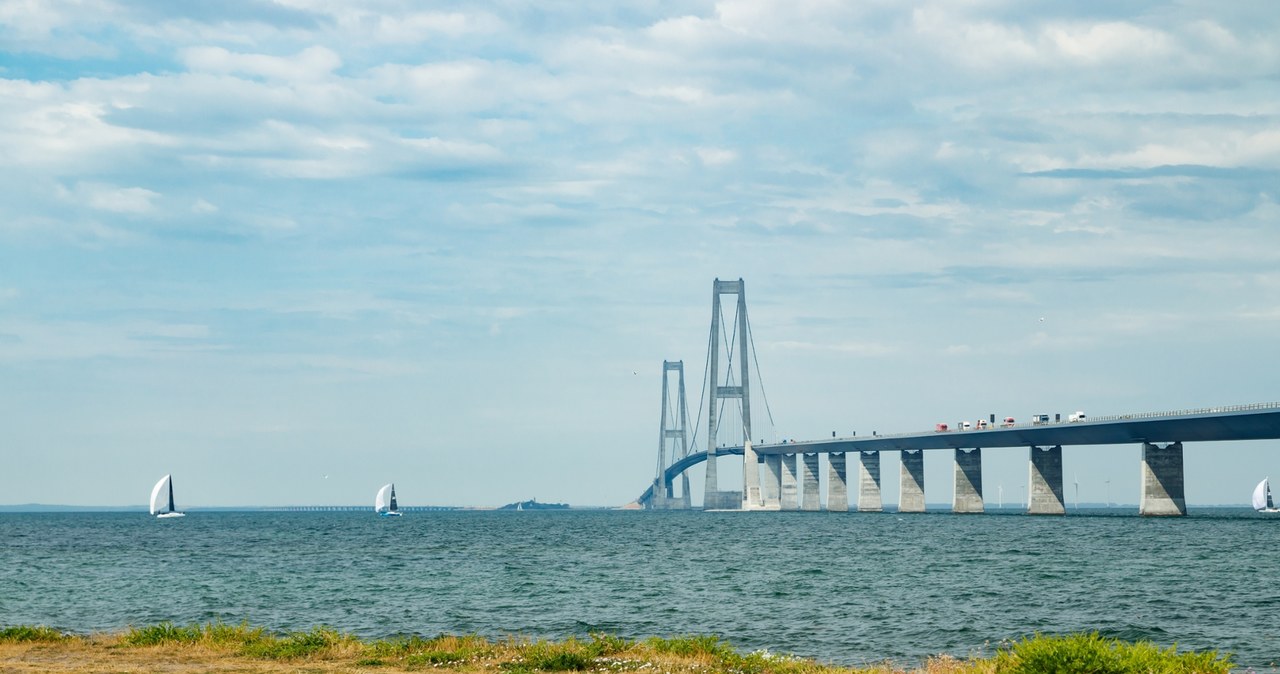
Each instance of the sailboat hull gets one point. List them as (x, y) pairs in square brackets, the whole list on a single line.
[(163, 516), (391, 513)]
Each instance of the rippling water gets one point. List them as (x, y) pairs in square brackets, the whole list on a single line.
[(843, 587)]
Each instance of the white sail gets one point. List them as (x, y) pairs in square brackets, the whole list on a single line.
[(382, 502), (1260, 495), (160, 496)]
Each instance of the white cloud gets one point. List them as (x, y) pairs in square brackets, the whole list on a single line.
[(714, 156), (112, 198), (312, 63)]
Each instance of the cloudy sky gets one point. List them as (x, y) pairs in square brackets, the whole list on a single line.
[(288, 251)]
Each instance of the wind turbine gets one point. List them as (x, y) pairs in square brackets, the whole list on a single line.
[(1000, 488), (1076, 477), (1108, 493)]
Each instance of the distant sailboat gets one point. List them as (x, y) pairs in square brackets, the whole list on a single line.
[(162, 499), (385, 502), (1262, 498)]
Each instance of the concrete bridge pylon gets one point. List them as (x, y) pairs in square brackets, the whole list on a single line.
[(713, 498), (673, 442)]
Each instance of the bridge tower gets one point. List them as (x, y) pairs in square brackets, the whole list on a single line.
[(673, 442), (712, 497)]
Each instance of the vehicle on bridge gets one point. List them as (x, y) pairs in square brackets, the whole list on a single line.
[(1038, 419), (941, 428), (1008, 422), (982, 424), (1076, 416), (963, 426)]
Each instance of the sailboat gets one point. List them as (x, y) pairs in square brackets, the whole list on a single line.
[(1262, 498), (385, 502), (162, 499)]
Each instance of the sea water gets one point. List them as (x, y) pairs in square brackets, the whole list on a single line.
[(848, 588)]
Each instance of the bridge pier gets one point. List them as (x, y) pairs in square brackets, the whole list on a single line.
[(1162, 483), (790, 486), (911, 494), (811, 499), (869, 482), (751, 496), (1046, 481), (772, 482), (968, 492), (837, 486), (711, 488)]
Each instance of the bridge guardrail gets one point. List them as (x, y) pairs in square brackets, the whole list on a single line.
[(1091, 420)]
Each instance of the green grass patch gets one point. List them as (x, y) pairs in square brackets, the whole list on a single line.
[(211, 634), (604, 645), (692, 646), (31, 633), (163, 633), (1094, 654), (442, 650), (296, 645), (566, 656)]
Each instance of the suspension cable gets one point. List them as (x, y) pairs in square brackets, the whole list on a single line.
[(703, 397), (729, 342), (756, 357)]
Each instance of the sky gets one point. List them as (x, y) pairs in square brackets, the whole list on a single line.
[(289, 251)]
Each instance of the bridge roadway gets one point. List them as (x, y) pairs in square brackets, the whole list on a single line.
[(1241, 422)]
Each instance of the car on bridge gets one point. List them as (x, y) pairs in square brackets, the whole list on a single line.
[(1038, 419), (940, 428), (1008, 421)]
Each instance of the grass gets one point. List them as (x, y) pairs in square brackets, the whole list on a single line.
[(1095, 654), (29, 633), (253, 650)]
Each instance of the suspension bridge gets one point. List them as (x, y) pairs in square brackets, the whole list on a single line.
[(785, 475)]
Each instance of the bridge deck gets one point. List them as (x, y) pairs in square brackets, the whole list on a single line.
[(1246, 422)]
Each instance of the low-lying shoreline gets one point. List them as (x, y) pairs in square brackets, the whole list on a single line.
[(216, 647)]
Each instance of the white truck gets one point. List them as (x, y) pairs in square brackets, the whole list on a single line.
[(1076, 416)]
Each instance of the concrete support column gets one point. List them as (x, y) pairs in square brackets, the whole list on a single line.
[(869, 482), (711, 490), (790, 486), (1162, 487), (811, 499), (752, 499), (837, 486), (685, 502), (1046, 482), (968, 493), (772, 480), (911, 494), (659, 499)]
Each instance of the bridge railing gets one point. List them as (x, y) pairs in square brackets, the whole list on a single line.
[(1108, 418), (1187, 413)]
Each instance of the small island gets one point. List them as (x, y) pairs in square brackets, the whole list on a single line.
[(532, 504)]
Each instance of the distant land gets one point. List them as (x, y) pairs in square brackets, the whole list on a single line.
[(532, 504)]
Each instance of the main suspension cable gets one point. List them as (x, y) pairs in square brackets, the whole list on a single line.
[(760, 377)]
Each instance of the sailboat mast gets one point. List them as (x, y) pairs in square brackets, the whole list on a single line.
[(171, 508)]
